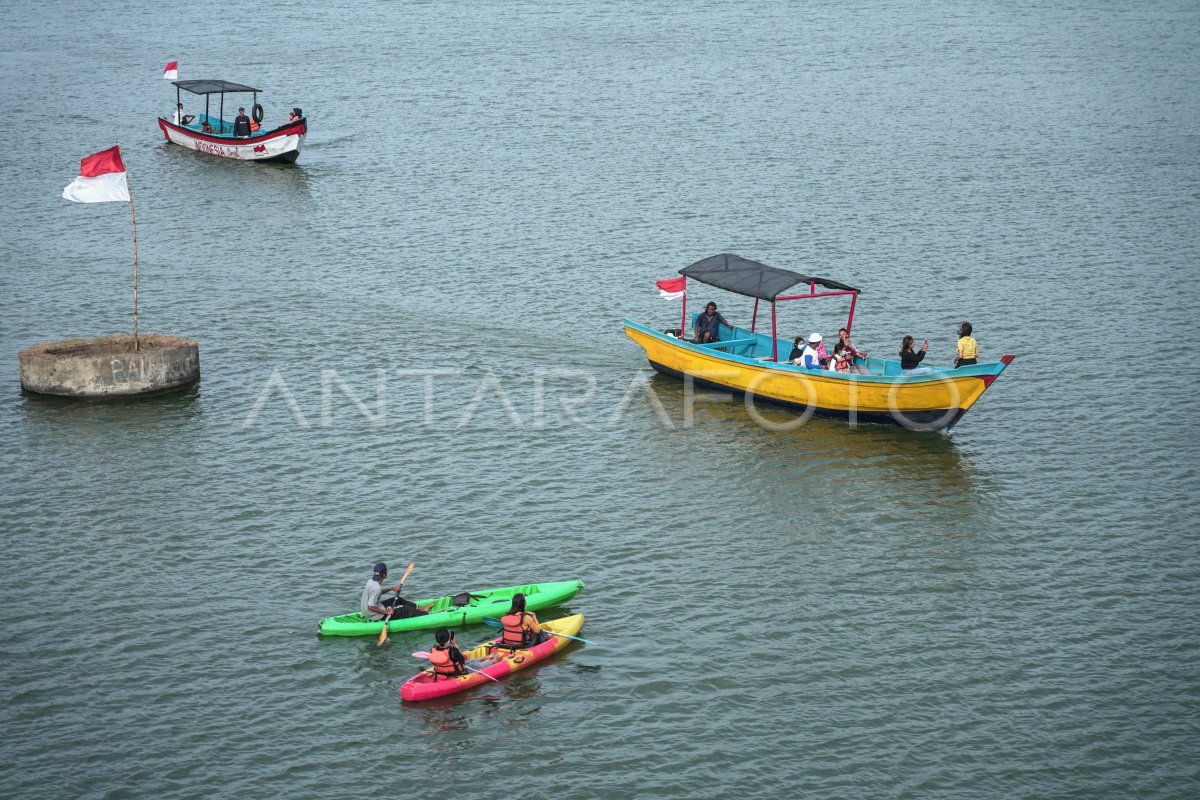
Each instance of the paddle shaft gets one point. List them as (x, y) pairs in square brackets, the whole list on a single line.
[(388, 617), (425, 654), (495, 623)]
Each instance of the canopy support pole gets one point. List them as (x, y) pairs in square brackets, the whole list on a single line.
[(774, 341), (850, 319), (207, 116), (178, 101), (754, 318), (683, 318), (222, 113)]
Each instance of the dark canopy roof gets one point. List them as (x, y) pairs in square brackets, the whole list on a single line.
[(743, 276), (212, 87)]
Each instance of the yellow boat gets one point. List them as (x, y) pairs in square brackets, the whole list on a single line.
[(747, 363)]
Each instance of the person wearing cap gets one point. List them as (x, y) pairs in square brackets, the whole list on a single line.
[(708, 324), (376, 610), (295, 115), (810, 358)]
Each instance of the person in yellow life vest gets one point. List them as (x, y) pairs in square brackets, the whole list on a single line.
[(968, 348), (521, 627)]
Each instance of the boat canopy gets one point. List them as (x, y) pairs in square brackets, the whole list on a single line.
[(213, 87), (752, 279)]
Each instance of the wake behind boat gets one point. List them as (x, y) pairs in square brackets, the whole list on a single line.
[(747, 362), (221, 137)]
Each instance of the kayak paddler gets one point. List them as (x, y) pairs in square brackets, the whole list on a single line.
[(521, 627), (376, 610), (447, 660)]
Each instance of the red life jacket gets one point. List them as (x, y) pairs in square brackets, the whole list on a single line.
[(515, 633), (439, 659), (254, 126)]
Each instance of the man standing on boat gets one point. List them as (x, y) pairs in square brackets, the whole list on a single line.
[(707, 327), (241, 123)]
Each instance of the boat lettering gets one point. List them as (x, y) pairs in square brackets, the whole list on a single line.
[(216, 149)]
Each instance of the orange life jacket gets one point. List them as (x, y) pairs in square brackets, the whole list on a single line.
[(515, 633), (441, 662), (254, 126)]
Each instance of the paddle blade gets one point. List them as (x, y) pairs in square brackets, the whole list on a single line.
[(383, 633), (407, 572), (493, 622), (421, 654)]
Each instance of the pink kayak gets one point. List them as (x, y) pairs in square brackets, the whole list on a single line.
[(425, 685)]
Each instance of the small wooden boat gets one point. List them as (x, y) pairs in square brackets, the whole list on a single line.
[(480, 604), (214, 134), (746, 362), (427, 685)]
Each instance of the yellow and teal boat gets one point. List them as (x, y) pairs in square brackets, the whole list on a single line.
[(746, 362)]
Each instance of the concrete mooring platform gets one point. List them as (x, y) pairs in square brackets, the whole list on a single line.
[(110, 366)]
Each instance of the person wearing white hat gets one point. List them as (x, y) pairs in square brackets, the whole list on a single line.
[(811, 357)]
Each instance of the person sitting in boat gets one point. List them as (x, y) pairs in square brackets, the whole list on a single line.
[(521, 627), (205, 127), (241, 123), (448, 660), (182, 118), (810, 358), (852, 354), (376, 610), (295, 116), (707, 327), (968, 348), (910, 360), (445, 658), (838, 362), (797, 354)]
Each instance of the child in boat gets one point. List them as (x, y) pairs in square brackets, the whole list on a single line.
[(968, 348), (446, 659), (837, 361), (521, 627)]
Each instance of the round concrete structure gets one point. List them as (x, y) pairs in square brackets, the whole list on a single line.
[(110, 366)]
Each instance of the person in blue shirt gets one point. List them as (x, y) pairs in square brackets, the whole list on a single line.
[(811, 358)]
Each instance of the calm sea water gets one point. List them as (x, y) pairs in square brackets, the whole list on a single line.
[(1009, 610)]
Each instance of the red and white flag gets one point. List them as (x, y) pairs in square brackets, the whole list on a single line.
[(101, 179), (171, 73), (672, 288)]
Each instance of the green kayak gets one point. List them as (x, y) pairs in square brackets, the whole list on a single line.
[(488, 603)]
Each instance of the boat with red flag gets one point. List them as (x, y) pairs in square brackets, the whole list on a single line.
[(244, 137)]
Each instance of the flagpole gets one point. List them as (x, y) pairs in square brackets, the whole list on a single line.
[(133, 217)]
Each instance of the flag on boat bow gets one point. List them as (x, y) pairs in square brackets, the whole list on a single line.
[(672, 288), (101, 179), (171, 72)]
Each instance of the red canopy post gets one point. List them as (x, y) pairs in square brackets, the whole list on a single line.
[(850, 319), (754, 318), (774, 341)]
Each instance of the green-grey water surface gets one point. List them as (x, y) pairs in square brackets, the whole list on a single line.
[(1007, 610)]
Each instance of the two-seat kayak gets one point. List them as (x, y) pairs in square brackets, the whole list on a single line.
[(427, 685), (445, 613)]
